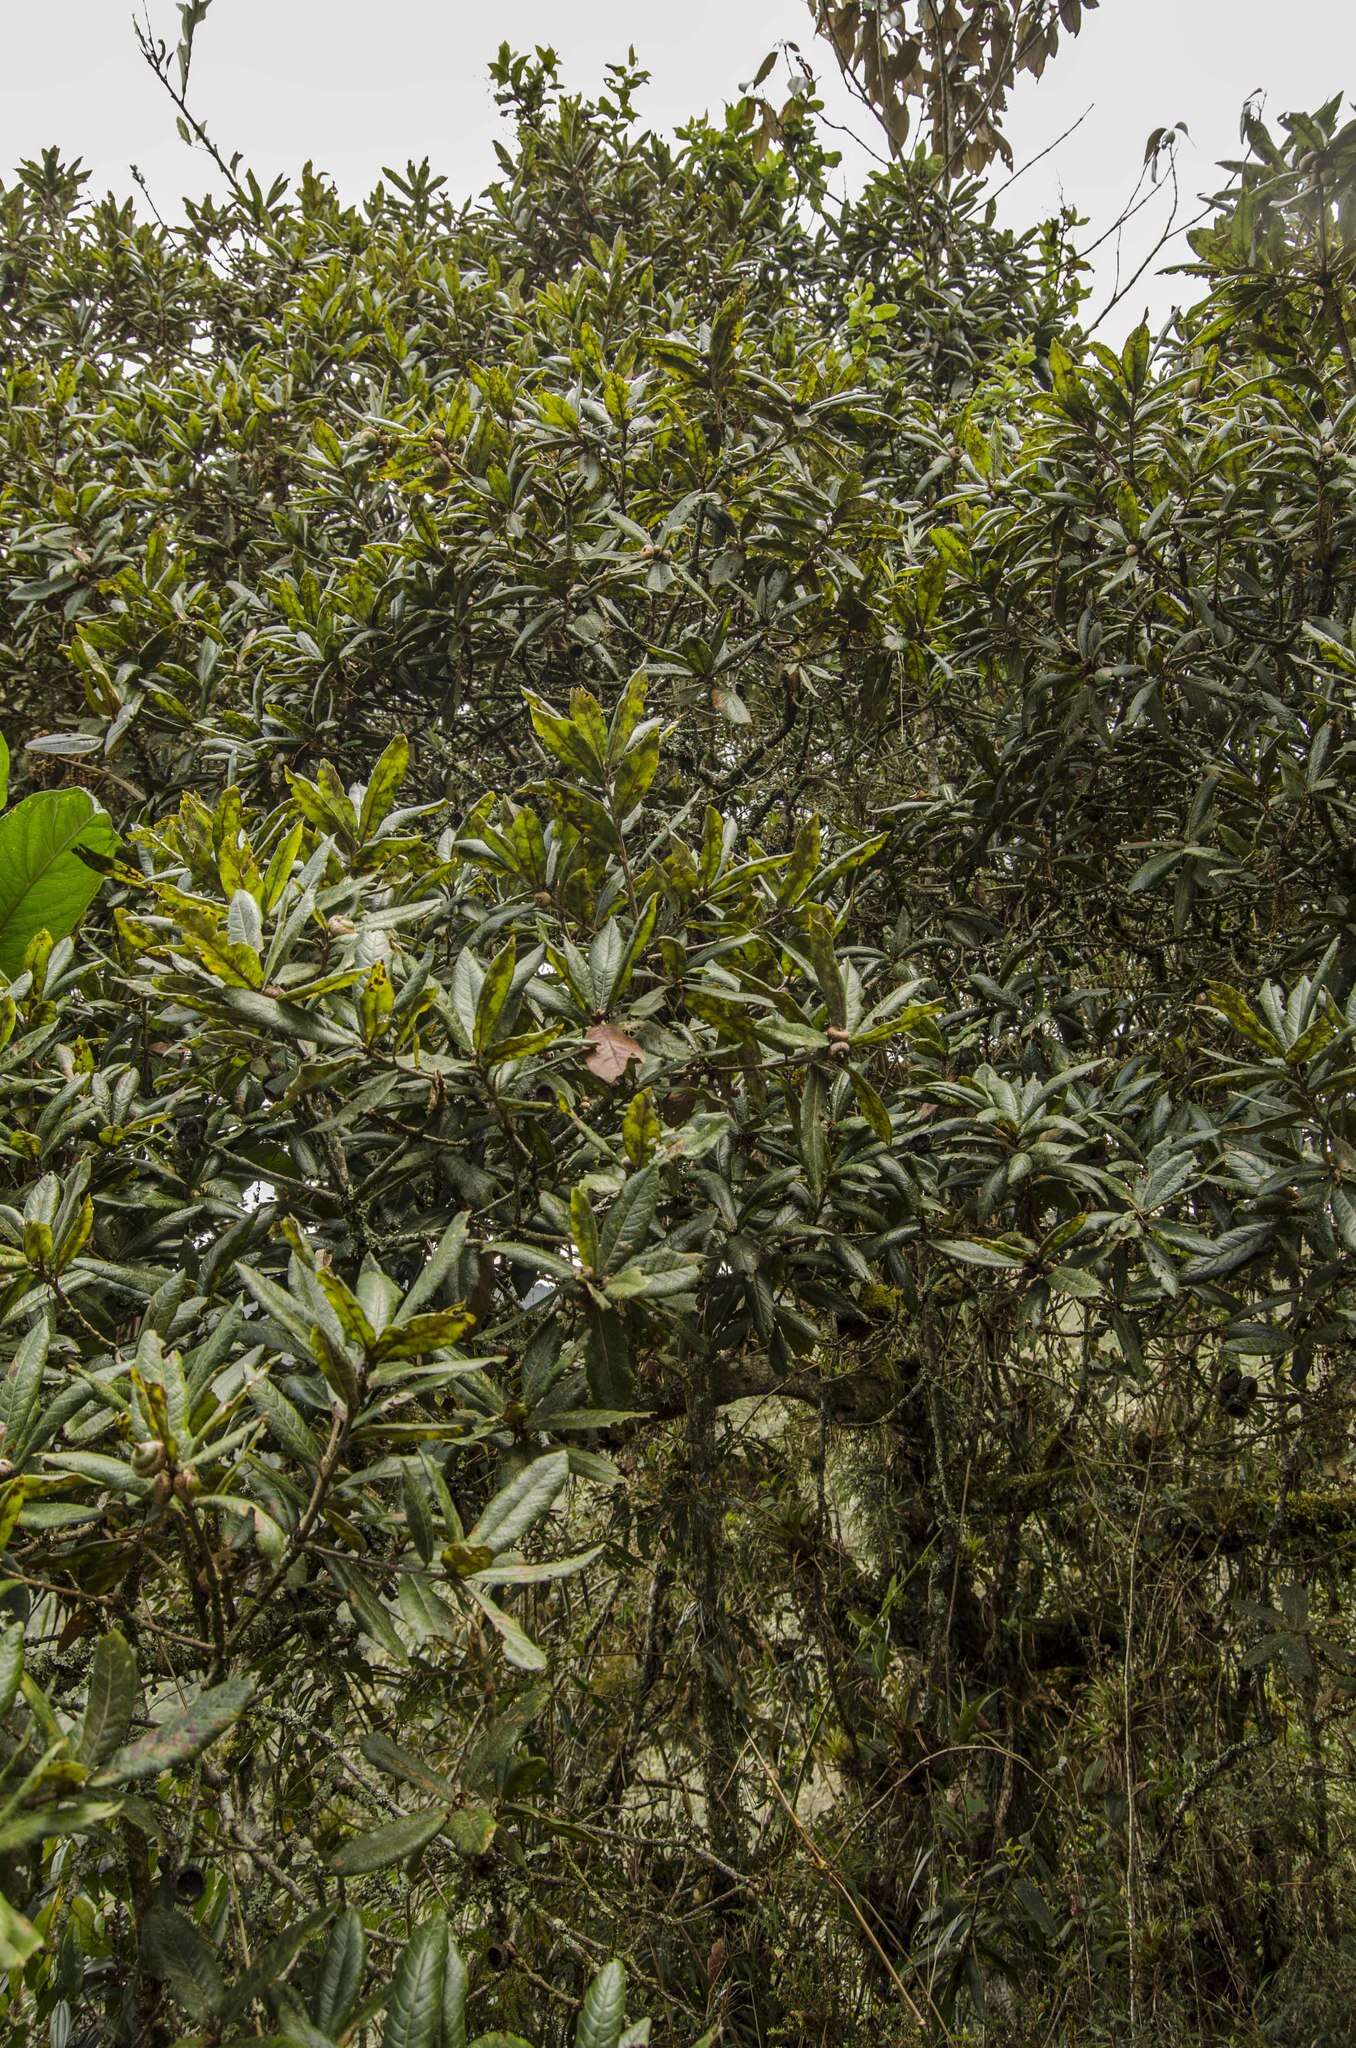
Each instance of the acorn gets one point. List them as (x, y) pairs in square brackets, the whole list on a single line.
[(162, 1489), (187, 1485), (839, 1042), (149, 1458)]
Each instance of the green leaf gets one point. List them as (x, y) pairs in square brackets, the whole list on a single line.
[(584, 1228), (178, 1954), (444, 1261), (12, 1499), (21, 1390), (19, 1938), (367, 1607), (414, 2010), (1344, 1217), (266, 1016), (185, 1735), (492, 1000), (607, 1360), (520, 1505), (418, 1335), (414, 1499), (641, 1128), (1241, 1014), (381, 791), (454, 1999), (111, 1702), (975, 1252), (872, 1108), (287, 1425), (390, 1844), (1234, 1249), (603, 2013), (340, 1975), (387, 1756), (520, 1650), (44, 884), (626, 1226), (471, 1829), (271, 1963), (11, 1665), (353, 1320), (814, 1142), (1154, 869), (1076, 1282), (66, 1817)]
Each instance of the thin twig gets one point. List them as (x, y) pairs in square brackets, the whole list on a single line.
[(822, 1863)]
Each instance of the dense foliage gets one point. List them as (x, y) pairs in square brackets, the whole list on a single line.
[(677, 1244)]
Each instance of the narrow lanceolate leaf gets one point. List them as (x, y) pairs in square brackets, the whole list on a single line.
[(12, 1499), (21, 1388), (389, 1844), (44, 884), (341, 1972), (268, 1971), (381, 791), (872, 1108), (1229, 1252), (492, 1000), (287, 1425), (975, 1252), (388, 1756), (244, 924), (436, 1330), (65, 1817), (454, 1999), (537, 1260), (627, 1223), (415, 2008), (19, 1938), (603, 2013), (111, 1702), (520, 1505), (1344, 1216), (11, 1665), (178, 1954), (185, 1735), (287, 1312), (519, 1648), (352, 1317), (584, 1228), (440, 1267)]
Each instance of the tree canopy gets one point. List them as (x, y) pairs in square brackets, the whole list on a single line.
[(679, 1168)]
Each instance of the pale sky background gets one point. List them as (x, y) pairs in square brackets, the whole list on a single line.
[(355, 84)]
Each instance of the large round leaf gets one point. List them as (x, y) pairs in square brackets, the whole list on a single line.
[(44, 884)]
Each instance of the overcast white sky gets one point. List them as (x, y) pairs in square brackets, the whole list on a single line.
[(355, 84)]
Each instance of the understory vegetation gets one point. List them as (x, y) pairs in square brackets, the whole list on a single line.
[(677, 1139)]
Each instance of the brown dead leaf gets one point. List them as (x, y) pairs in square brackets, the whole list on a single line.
[(612, 1051)]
